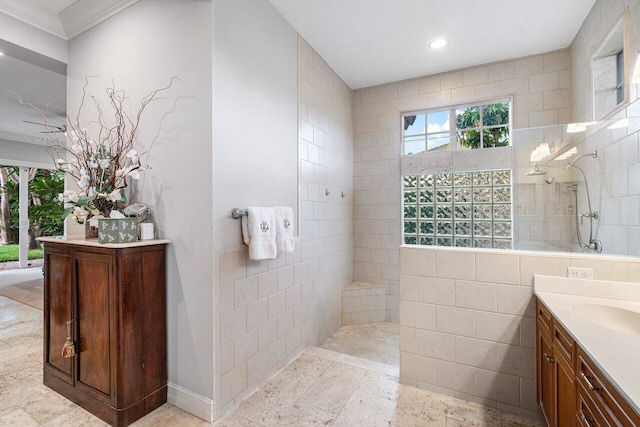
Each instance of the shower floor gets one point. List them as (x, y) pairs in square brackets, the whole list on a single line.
[(378, 342)]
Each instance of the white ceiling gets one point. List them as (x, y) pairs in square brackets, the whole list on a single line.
[(370, 42), (44, 89), (38, 80)]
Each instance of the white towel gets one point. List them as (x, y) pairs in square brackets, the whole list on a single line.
[(259, 233), (284, 229)]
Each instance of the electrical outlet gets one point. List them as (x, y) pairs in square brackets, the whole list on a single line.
[(579, 273)]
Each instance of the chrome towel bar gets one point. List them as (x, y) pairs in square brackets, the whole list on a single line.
[(237, 213)]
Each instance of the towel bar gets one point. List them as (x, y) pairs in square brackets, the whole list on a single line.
[(237, 213)]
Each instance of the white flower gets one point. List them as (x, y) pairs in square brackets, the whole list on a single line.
[(133, 155), (79, 215), (92, 164), (104, 163), (83, 184), (61, 161), (76, 148), (134, 174), (61, 197), (115, 196)]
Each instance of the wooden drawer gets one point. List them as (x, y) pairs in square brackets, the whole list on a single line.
[(611, 404), (564, 343), (587, 413), (543, 316)]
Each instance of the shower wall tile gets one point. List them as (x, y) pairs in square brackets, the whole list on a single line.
[(269, 311), (539, 86), (483, 342)]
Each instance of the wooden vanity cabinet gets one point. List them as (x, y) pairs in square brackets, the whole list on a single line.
[(555, 353), (115, 299), (571, 389)]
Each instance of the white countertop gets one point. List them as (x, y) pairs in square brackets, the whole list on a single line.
[(616, 353), (94, 242)]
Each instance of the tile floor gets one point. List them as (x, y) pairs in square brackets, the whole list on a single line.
[(320, 388), (25, 401), (379, 342)]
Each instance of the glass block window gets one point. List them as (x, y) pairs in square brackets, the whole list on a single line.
[(474, 126), (463, 209)]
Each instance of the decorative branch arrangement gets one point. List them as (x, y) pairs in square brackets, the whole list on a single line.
[(101, 165)]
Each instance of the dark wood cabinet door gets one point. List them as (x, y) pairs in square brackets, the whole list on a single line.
[(93, 273), (565, 390), (116, 299), (58, 311), (546, 383)]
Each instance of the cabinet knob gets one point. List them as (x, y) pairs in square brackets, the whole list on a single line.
[(549, 359), (69, 348)]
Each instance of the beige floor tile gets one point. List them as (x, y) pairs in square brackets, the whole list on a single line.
[(76, 417), (378, 342), (366, 410), (380, 385), (307, 364), (18, 418), (275, 398), (472, 414), (305, 415), (49, 407), (320, 388), (332, 389), (167, 416), (511, 420), (236, 421)]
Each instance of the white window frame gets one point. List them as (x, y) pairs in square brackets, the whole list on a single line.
[(453, 140)]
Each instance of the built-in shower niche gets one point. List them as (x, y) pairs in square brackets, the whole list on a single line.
[(577, 187)]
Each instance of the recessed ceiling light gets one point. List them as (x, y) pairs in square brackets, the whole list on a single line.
[(438, 43), (1, 53)]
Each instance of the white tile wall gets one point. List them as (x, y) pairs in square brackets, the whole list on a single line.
[(540, 89), (475, 339), (363, 303), (272, 310)]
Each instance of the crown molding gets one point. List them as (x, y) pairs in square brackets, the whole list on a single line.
[(34, 16), (84, 14), (72, 21)]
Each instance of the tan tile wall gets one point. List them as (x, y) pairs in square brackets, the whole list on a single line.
[(540, 87), (272, 310), (469, 331), (364, 305)]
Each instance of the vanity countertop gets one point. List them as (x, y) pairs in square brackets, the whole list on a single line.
[(94, 242), (615, 348)]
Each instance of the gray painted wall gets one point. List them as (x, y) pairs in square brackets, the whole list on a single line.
[(255, 112), (140, 49)]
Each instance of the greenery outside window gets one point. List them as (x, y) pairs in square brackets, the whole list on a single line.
[(471, 126)]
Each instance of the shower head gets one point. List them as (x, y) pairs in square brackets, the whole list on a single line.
[(536, 171), (572, 163)]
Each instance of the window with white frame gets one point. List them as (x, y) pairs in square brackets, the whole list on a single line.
[(469, 126)]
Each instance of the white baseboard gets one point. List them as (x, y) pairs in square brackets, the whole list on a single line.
[(193, 403)]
